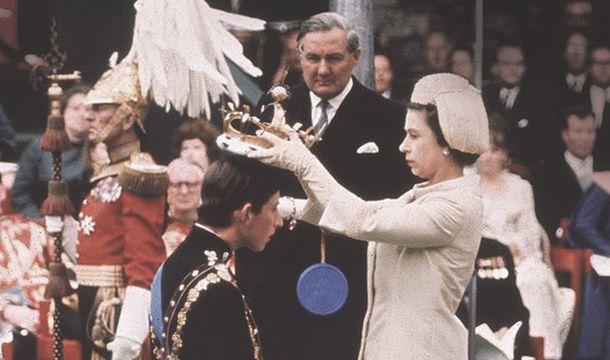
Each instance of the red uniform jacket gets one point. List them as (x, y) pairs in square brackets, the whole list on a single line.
[(117, 227)]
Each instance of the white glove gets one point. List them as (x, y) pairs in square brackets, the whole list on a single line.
[(133, 324), (22, 316), (123, 348), (294, 156), (288, 207), (290, 154)]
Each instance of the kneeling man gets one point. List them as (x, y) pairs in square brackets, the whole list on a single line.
[(206, 315)]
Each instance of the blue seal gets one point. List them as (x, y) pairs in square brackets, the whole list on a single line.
[(322, 289)]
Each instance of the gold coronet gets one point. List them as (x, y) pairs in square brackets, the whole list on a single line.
[(241, 125)]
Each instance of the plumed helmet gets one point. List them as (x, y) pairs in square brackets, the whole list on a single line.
[(120, 85), (461, 114)]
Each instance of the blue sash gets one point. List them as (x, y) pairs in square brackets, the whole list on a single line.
[(156, 309)]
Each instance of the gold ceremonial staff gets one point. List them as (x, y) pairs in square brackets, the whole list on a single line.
[(57, 204)]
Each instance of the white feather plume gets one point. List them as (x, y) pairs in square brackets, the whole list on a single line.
[(180, 46), (237, 21)]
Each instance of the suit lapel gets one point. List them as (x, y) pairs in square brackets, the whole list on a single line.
[(300, 111), (569, 176)]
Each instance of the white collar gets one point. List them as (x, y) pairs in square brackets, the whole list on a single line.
[(576, 78), (509, 96), (601, 90), (598, 96), (574, 161), (336, 101), (513, 90), (207, 228)]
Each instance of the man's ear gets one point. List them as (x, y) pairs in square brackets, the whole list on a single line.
[(356, 55), (564, 135), (245, 213), (129, 121)]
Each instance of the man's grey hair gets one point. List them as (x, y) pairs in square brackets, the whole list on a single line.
[(325, 22)]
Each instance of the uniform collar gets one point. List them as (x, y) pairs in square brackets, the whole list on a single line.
[(119, 156), (214, 242)]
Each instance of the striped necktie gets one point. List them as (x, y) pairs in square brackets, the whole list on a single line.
[(323, 118)]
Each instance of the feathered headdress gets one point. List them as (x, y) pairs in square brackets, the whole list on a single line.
[(182, 48)]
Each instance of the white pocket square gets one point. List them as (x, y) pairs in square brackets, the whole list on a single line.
[(368, 148)]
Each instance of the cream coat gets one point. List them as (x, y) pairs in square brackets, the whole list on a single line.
[(421, 253)]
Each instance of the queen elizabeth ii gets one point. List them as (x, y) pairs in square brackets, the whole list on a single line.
[(422, 245)]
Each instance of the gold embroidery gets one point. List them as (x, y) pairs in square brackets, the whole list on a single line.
[(218, 272)]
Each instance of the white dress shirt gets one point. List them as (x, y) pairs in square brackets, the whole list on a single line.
[(582, 168), (576, 82), (333, 104), (599, 97), (508, 96)]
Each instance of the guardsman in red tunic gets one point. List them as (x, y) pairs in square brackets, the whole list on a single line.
[(120, 223)]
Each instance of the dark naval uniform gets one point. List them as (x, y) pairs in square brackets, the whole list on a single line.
[(119, 242), (206, 315)]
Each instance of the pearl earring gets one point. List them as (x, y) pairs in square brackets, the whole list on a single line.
[(446, 151)]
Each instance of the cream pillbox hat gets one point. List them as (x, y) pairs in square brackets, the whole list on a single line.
[(461, 114)]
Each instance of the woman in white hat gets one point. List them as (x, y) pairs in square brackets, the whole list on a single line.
[(422, 246)]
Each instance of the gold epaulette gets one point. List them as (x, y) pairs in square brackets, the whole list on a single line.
[(143, 177)]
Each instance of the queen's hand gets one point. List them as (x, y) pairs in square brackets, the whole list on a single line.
[(289, 154)]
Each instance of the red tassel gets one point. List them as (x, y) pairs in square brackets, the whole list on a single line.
[(57, 203), (59, 284), (55, 137)]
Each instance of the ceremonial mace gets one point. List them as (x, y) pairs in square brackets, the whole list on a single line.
[(55, 139)]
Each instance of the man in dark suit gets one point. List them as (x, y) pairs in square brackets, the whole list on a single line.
[(563, 179), (522, 106), (360, 133), (569, 84), (574, 80), (598, 97)]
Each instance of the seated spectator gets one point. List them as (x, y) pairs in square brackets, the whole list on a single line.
[(384, 76), (436, 51), (598, 99), (499, 303), (509, 216), (35, 165), (183, 198), (7, 137), (589, 228), (195, 141), (24, 250), (523, 107), (578, 14), (461, 62), (565, 177), (573, 82)]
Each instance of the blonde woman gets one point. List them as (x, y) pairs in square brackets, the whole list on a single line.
[(510, 217)]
